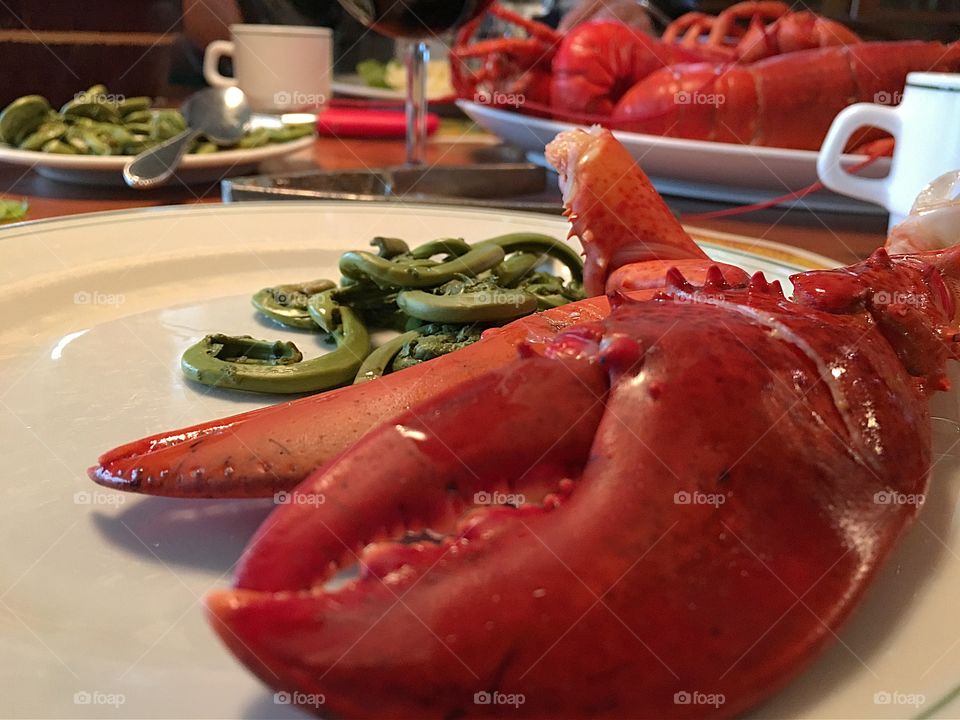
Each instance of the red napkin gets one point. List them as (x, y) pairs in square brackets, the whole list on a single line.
[(363, 123)]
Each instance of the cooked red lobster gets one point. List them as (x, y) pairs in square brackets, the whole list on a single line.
[(690, 483), (785, 101), (779, 81), (599, 62), (589, 68)]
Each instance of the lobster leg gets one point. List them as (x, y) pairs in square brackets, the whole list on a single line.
[(789, 31), (688, 29)]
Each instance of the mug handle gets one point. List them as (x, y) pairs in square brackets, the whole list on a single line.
[(211, 61), (850, 119)]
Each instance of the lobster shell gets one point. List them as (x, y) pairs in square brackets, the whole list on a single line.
[(788, 418), (599, 61), (784, 101)]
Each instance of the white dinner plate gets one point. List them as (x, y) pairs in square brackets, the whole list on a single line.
[(724, 172), (99, 591), (352, 85), (108, 170)]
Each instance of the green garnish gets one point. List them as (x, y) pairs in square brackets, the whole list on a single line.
[(11, 210), (373, 73)]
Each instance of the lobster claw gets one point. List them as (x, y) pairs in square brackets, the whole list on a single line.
[(428, 621), (265, 451), (660, 508), (701, 449)]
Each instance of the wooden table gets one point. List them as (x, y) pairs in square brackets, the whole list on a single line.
[(844, 237)]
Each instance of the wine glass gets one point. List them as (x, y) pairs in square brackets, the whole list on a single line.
[(415, 20)]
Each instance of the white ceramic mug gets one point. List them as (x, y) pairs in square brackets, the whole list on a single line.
[(926, 126), (281, 68)]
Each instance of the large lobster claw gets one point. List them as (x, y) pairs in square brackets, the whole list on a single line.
[(711, 449), (437, 616), (698, 484)]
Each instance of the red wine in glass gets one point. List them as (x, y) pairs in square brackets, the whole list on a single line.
[(414, 18), (418, 20)]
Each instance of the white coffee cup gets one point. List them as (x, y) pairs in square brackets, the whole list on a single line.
[(926, 126), (281, 68)]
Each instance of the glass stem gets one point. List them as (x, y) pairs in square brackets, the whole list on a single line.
[(417, 58)]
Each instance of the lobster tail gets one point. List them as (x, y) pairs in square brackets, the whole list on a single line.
[(785, 101)]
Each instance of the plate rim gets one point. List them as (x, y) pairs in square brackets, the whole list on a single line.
[(789, 256), (23, 229), (708, 146), (344, 85), (115, 163)]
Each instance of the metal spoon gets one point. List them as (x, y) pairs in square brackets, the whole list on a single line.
[(220, 114)]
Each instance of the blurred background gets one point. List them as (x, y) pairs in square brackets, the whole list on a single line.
[(143, 47)]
